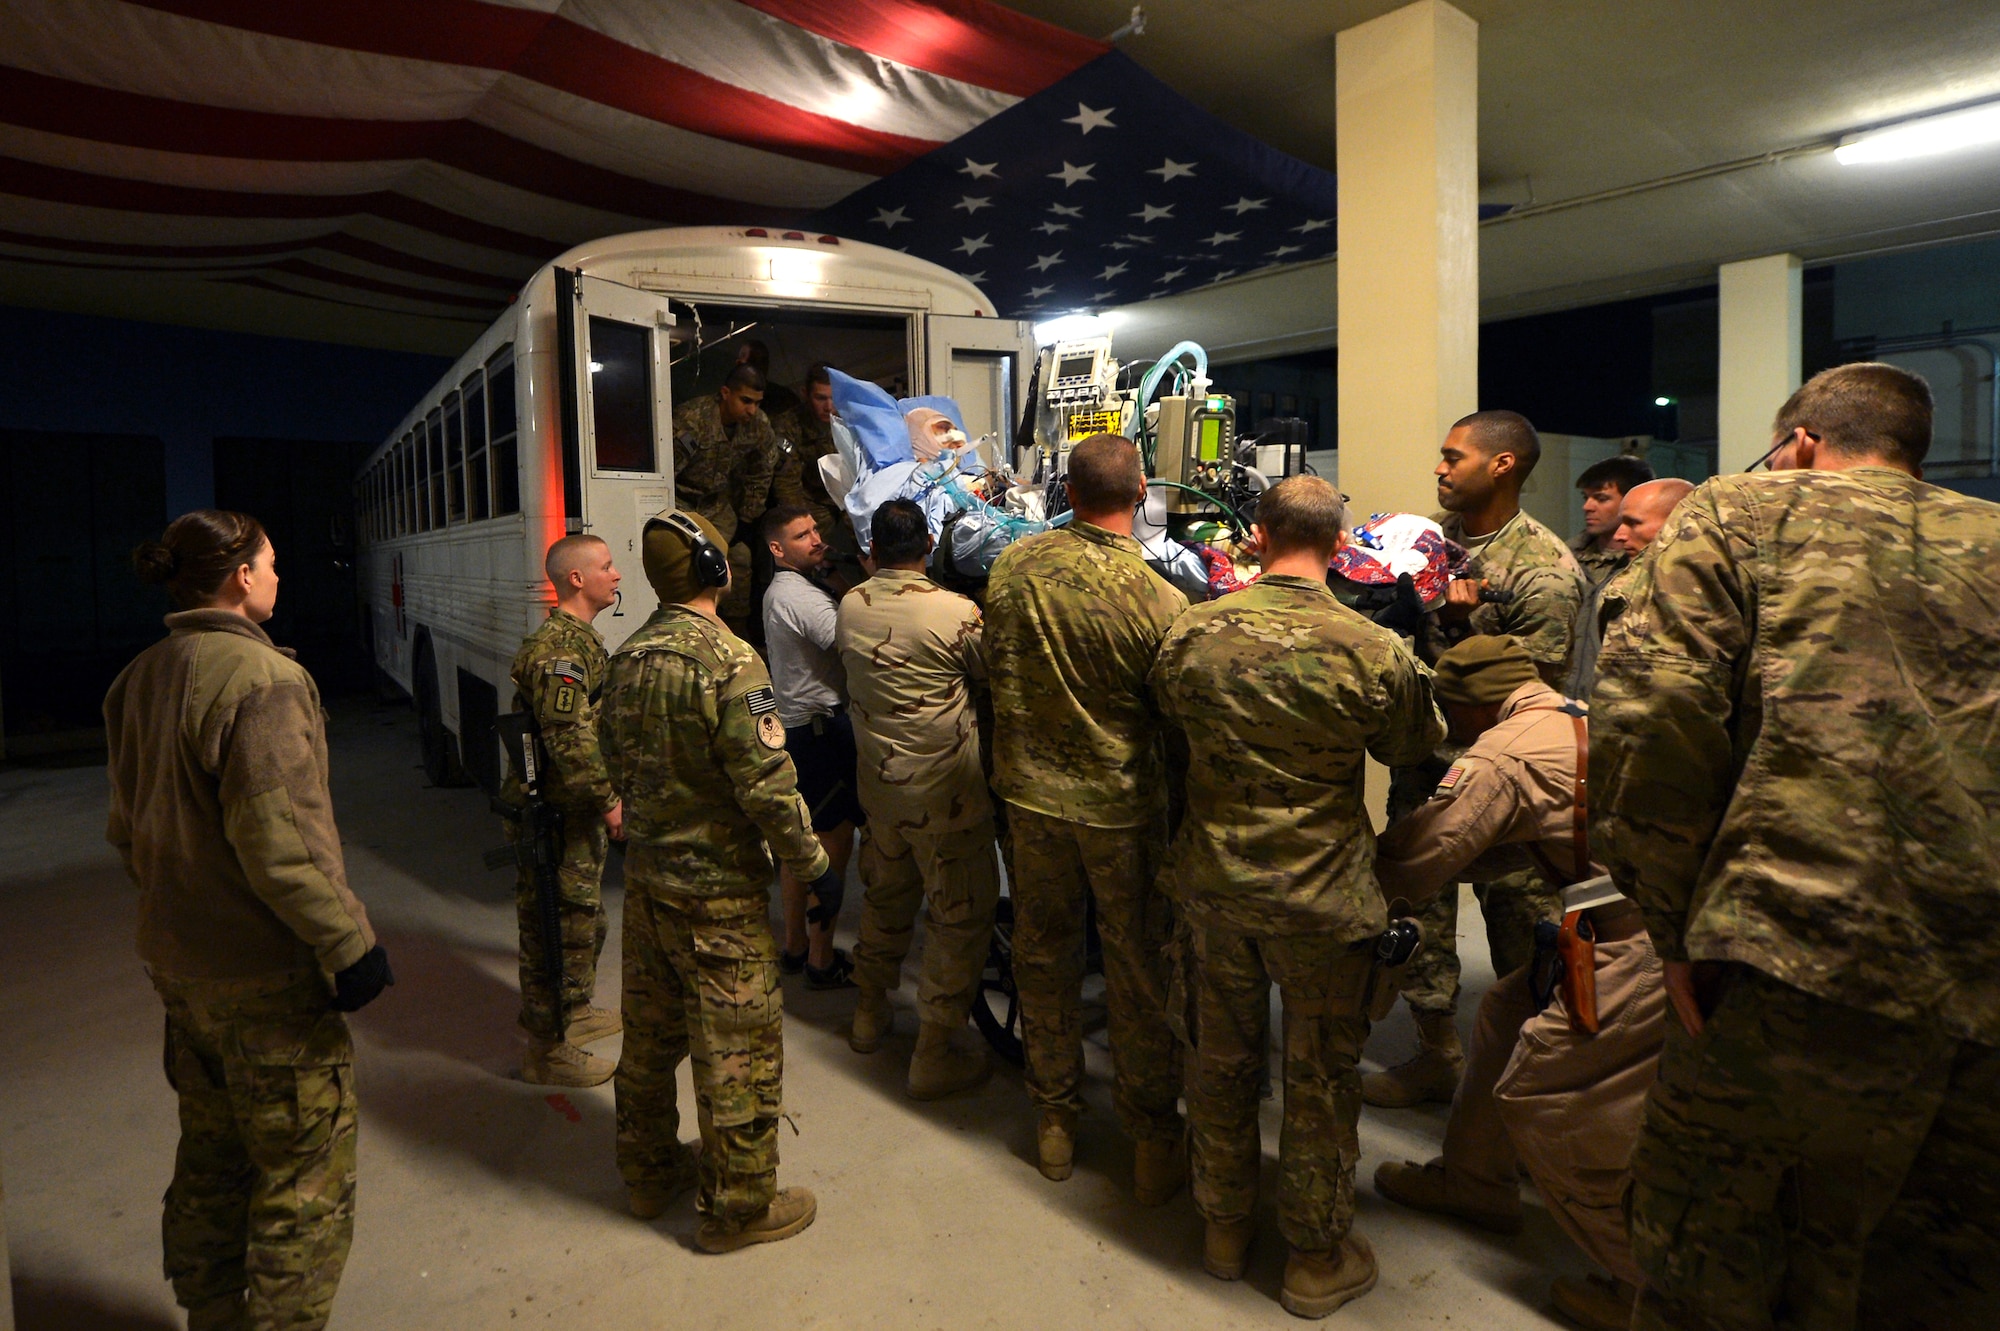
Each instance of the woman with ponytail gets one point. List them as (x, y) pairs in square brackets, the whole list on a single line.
[(221, 810)]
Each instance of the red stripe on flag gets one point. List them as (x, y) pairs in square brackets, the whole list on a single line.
[(968, 40), (61, 185), (321, 273), (265, 284), (336, 242), (574, 59), (62, 106)]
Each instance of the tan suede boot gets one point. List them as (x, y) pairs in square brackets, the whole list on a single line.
[(228, 1313), (789, 1212), (873, 1018), (589, 1024), (945, 1063), (1432, 1187), (559, 1063), (1159, 1167), (1055, 1144), (1317, 1283), (1598, 1302), (650, 1200), (1431, 1075), (1225, 1248)]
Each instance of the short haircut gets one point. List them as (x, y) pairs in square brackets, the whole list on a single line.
[(1864, 408), (776, 519), (1104, 474), (1301, 513), (1505, 432), (818, 374), (746, 376), (899, 532), (569, 555), (1623, 471), (759, 355)]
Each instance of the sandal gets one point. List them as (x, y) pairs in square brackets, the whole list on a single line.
[(837, 974)]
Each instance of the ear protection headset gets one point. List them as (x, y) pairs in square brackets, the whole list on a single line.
[(711, 565)]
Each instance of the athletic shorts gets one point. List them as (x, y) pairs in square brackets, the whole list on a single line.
[(824, 756)]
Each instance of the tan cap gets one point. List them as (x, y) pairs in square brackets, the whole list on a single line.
[(668, 556), (1483, 669)]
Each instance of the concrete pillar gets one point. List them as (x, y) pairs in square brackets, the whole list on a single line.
[(1406, 153), (1760, 330)]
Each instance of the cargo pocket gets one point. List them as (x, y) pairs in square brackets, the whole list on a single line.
[(741, 1006)]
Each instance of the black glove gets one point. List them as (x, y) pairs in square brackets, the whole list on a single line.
[(1405, 614), (825, 895), (357, 986)]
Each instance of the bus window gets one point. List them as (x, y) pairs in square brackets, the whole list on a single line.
[(505, 448), (406, 510), (475, 447), (435, 428), (621, 394), (420, 445), (454, 459)]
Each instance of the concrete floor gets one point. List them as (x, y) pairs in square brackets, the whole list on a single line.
[(486, 1202)]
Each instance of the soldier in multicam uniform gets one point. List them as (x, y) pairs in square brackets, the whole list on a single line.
[(1795, 775), (912, 655), (1600, 555), (725, 459), (557, 675), (808, 428), (1282, 693), (693, 743), (1074, 618), (1484, 461), (220, 810)]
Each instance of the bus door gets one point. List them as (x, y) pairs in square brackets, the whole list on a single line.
[(624, 456), (983, 365)]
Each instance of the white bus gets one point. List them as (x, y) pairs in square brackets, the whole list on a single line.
[(558, 420)]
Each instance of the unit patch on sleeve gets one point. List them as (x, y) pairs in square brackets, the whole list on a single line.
[(763, 705)]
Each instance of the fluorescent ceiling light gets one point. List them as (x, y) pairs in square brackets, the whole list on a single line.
[(1070, 327), (1923, 137)]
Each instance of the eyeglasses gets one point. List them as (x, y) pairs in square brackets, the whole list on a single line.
[(1780, 446)]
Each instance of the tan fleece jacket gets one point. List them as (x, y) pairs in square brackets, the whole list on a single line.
[(220, 807)]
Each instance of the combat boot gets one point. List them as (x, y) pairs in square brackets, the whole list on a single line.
[(589, 1024), (943, 1065), (649, 1201), (1055, 1143), (1598, 1302), (1317, 1283), (1431, 1075), (559, 1063), (228, 1313), (789, 1212), (873, 1018), (1159, 1167), (1434, 1188), (1225, 1248)]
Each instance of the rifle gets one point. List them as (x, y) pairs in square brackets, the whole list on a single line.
[(538, 846)]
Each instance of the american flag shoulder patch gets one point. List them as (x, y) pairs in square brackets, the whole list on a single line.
[(1449, 781), (761, 700)]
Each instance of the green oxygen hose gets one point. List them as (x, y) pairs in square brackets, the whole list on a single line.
[(1242, 527)]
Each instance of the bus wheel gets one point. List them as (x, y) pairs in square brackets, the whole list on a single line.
[(996, 1009), (440, 747)]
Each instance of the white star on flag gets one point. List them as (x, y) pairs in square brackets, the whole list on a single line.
[(1103, 297), (1174, 276), (1120, 245), (1227, 272), (1223, 237), (1050, 228), (1283, 250), (1044, 262), (1036, 293), (1138, 239), (1169, 168), (1311, 225), (979, 170), (891, 217), (975, 278), (1070, 175), (1148, 213), (1112, 272), (1063, 210), (972, 205), (973, 244), (1087, 119), (1244, 205)]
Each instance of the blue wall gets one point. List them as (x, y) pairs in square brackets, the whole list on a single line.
[(187, 386)]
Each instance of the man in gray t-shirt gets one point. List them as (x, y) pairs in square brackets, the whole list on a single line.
[(800, 617)]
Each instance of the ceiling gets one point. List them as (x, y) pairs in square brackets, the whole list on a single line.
[(1580, 99)]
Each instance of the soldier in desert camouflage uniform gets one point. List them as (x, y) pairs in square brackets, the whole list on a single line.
[(1483, 463), (692, 740), (1282, 692), (913, 661), (557, 675), (1795, 776), (1074, 618), (725, 458)]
